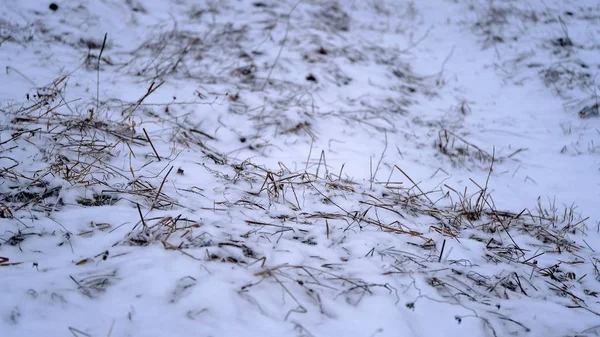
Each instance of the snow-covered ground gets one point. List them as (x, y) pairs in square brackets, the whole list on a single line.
[(300, 168)]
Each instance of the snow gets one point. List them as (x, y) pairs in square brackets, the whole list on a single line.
[(299, 168)]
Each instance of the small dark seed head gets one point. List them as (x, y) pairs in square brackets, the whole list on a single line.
[(311, 78), (53, 7)]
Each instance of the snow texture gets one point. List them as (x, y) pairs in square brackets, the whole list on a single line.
[(299, 168)]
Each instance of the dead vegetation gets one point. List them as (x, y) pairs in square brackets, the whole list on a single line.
[(461, 151), (570, 74), (78, 151), (565, 77), (530, 268), (76, 154)]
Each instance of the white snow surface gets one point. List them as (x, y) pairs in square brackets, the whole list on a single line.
[(299, 168)]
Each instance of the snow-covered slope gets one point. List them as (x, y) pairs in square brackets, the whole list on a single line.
[(299, 168)]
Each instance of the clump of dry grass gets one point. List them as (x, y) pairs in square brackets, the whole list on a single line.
[(564, 77), (71, 150), (464, 153), (93, 285), (191, 54), (15, 33), (461, 151), (495, 21)]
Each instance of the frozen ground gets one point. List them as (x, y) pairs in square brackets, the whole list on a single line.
[(299, 168)]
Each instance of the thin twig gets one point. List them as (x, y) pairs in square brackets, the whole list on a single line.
[(160, 188), (151, 144), (98, 73), (442, 251), (283, 42), (141, 216), (415, 184)]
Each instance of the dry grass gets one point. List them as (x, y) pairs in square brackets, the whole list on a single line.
[(569, 74), (471, 216), (82, 149)]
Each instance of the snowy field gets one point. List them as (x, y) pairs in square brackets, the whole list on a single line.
[(300, 168)]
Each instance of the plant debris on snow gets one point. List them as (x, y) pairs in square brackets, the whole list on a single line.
[(195, 169)]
